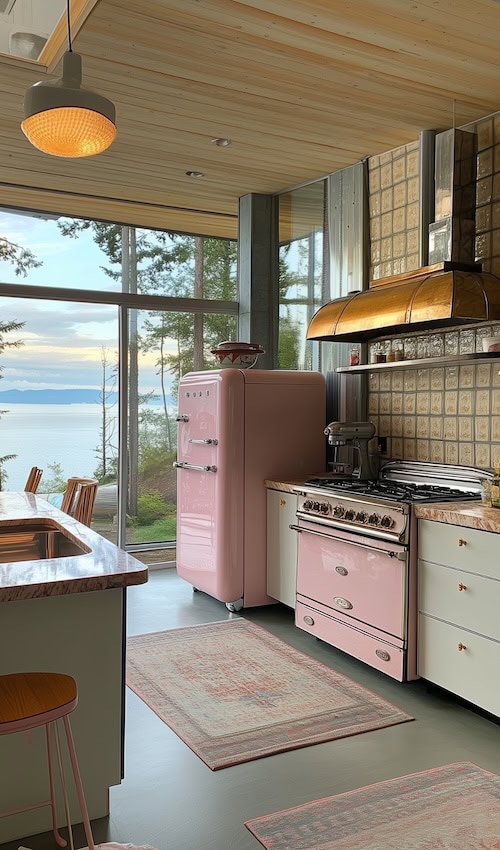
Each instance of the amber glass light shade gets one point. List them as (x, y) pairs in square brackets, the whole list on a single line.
[(69, 131), (62, 119)]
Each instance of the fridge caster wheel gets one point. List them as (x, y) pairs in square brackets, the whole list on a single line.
[(234, 607)]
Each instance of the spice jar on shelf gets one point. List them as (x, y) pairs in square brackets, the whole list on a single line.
[(354, 356)]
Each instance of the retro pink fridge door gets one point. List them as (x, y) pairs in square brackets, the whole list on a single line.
[(210, 482)]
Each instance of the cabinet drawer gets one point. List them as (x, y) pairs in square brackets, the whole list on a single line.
[(459, 597), (456, 546), (462, 662), (389, 659)]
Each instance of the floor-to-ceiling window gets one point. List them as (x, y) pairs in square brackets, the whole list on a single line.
[(83, 304), (302, 272)]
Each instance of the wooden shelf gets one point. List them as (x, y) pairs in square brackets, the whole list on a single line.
[(424, 363)]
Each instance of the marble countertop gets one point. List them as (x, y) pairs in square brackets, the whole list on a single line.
[(285, 486), (466, 514), (103, 566)]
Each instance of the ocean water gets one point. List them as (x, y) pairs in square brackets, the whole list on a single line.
[(40, 434)]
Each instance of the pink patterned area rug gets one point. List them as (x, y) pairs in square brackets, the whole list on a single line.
[(456, 807), (234, 692)]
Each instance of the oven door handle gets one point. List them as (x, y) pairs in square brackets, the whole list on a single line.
[(400, 556)]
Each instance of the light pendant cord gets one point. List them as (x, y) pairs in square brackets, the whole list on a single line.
[(70, 46)]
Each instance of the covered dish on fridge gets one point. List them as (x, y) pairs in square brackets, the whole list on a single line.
[(238, 355)]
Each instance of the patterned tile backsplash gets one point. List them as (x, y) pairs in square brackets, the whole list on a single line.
[(445, 414), (442, 413)]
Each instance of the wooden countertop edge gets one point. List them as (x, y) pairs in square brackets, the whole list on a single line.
[(103, 566)]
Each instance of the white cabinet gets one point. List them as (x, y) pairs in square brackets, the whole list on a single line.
[(458, 603), (281, 546)]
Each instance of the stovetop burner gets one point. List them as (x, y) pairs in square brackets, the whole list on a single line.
[(394, 491)]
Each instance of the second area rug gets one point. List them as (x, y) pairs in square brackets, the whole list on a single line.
[(234, 692), (456, 807)]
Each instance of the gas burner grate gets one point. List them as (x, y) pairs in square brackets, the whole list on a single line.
[(394, 491)]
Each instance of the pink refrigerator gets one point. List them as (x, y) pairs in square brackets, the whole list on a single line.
[(237, 428)]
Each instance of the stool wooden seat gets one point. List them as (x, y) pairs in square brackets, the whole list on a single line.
[(31, 700)]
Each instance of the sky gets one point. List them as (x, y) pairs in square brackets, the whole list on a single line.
[(62, 341)]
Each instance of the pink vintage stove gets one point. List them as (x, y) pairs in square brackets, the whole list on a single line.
[(357, 562)]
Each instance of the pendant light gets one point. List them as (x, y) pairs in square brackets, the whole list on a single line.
[(63, 119)]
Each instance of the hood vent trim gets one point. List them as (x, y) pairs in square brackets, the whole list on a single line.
[(438, 296)]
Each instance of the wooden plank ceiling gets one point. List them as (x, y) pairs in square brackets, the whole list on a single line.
[(300, 87)]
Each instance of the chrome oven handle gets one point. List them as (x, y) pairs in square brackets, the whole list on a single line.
[(208, 442), (401, 556), (179, 464)]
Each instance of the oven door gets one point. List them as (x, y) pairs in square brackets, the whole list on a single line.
[(362, 578)]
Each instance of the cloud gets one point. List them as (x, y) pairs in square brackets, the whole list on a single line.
[(53, 320)]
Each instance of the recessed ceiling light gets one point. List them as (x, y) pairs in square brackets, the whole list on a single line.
[(221, 143), (195, 174)]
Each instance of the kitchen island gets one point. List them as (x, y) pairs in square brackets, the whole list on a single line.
[(62, 595)]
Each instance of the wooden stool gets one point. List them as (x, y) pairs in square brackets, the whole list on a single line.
[(33, 480), (30, 700), (79, 498)]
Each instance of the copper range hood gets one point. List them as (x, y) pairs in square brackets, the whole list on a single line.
[(436, 296), (452, 291)]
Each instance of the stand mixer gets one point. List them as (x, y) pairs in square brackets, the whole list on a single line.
[(355, 435)]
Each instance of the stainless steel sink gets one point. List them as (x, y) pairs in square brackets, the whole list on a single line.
[(38, 540)]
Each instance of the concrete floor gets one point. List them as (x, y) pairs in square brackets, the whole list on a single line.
[(171, 800)]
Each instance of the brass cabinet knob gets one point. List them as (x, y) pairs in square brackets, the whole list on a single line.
[(282, 502), (462, 586), (462, 542), (461, 647)]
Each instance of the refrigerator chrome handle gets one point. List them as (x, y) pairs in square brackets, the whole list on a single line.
[(182, 417), (210, 441), (179, 464)]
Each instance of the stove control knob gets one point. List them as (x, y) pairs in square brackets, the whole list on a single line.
[(374, 519), (338, 511), (324, 507), (361, 516), (350, 514), (387, 521), (316, 506), (307, 505)]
